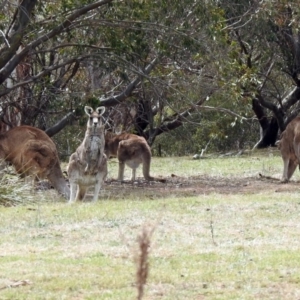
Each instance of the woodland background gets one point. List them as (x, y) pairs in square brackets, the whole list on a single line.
[(184, 74)]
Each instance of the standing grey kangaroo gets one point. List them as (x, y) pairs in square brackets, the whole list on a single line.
[(88, 164)]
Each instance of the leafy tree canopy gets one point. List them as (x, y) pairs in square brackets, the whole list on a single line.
[(156, 65)]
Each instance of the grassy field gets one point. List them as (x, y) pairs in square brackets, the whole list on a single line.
[(208, 240)]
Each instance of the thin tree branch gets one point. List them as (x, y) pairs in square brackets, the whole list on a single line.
[(114, 100), (23, 12), (71, 45), (224, 110), (11, 64), (41, 74), (6, 41)]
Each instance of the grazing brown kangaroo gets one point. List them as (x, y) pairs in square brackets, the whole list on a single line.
[(132, 150), (88, 164), (32, 152)]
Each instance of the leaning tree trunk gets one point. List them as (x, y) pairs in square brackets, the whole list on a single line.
[(283, 113), (268, 128), (61, 124), (268, 135)]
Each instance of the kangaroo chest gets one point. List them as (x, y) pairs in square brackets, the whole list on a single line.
[(94, 147)]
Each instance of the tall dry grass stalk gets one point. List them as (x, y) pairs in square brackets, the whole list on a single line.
[(144, 240)]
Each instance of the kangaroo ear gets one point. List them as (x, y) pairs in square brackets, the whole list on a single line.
[(88, 110), (100, 110)]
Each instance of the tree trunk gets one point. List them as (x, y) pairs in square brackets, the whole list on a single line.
[(60, 124), (268, 129), (268, 135)]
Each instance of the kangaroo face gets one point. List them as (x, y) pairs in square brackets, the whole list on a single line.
[(94, 119)]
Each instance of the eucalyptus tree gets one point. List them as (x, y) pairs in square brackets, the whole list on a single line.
[(165, 43), (137, 56), (262, 63), (154, 64), (39, 57)]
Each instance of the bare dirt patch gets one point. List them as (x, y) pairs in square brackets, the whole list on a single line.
[(188, 186)]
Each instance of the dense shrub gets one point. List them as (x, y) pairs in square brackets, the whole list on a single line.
[(222, 133)]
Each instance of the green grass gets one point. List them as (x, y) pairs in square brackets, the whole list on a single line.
[(204, 246)]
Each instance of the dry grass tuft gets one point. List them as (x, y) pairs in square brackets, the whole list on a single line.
[(13, 191), (14, 284), (144, 240)]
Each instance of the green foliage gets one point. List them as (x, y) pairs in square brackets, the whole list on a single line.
[(216, 131), (70, 138), (216, 50)]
